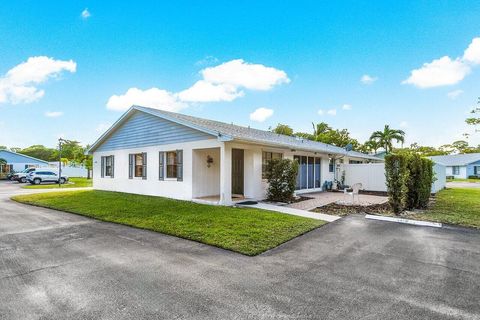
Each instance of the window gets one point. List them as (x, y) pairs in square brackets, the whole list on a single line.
[(138, 165), (331, 165), (266, 157), (172, 164), (355, 161), (455, 170)]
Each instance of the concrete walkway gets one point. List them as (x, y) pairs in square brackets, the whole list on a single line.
[(320, 199), (293, 211), (459, 184)]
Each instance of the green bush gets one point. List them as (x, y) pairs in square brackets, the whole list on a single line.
[(419, 184), (396, 173), (281, 175)]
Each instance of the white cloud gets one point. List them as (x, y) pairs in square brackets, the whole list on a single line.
[(321, 112), (18, 84), (85, 13), (367, 79), (225, 82), (440, 72), (332, 112), (347, 107), (204, 91), (53, 114), (445, 70), (261, 114), (239, 73), (454, 94), (472, 53), (153, 97), (403, 124)]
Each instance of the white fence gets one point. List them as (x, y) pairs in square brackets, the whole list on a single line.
[(372, 176), (70, 171)]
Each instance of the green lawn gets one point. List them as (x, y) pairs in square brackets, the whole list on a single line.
[(464, 180), (455, 206), (245, 230), (73, 183)]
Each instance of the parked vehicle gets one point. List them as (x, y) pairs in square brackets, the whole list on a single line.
[(10, 175), (45, 175), (21, 176)]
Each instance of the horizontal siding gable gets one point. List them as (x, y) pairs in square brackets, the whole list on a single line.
[(142, 130), (12, 157)]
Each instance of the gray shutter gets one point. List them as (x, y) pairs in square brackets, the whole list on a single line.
[(144, 165), (130, 166), (102, 164), (161, 165), (179, 165), (113, 166)]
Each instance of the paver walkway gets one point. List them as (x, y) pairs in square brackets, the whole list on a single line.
[(293, 211), (321, 199)]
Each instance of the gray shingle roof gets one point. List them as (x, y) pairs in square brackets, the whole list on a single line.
[(457, 159), (255, 135)]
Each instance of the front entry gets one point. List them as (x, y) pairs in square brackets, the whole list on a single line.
[(237, 171)]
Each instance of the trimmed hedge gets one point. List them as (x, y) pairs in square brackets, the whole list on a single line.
[(281, 175), (409, 181)]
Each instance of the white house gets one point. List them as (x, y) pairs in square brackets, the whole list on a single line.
[(154, 152), (18, 162), (460, 165)]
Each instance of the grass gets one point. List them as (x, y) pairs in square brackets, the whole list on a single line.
[(464, 180), (455, 206), (73, 183), (245, 230)]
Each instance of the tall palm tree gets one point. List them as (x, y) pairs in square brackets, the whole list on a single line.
[(386, 137), (372, 145)]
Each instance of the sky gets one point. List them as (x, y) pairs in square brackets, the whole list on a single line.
[(71, 68)]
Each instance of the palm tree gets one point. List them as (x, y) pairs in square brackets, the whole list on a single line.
[(385, 138), (372, 145)]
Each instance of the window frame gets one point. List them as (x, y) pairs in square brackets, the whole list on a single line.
[(140, 165), (167, 165), (265, 161), (105, 164)]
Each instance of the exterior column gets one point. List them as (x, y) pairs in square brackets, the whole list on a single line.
[(225, 174)]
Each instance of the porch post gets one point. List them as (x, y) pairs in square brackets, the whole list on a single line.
[(225, 174)]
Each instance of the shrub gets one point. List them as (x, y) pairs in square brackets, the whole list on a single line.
[(281, 175), (419, 183), (396, 174)]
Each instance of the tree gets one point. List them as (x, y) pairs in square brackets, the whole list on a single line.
[(386, 137), (475, 119), (3, 161), (322, 132), (283, 129), (3, 147), (40, 152), (371, 145), (15, 149)]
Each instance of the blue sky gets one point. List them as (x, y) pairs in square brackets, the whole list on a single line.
[(299, 61)]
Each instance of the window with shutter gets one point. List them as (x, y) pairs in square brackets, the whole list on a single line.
[(161, 165), (179, 165)]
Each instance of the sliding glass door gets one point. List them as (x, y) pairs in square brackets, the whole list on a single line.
[(308, 176)]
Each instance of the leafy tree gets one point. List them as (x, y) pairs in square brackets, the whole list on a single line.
[(322, 132), (3, 147), (475, 119), (283, 129), (386, 137), (40, 152), (15, 149)]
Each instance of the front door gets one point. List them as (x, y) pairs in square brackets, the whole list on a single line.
[(237, 171)]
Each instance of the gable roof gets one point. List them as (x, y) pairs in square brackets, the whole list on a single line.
[(228, 132), (457, 159), (10, 156)]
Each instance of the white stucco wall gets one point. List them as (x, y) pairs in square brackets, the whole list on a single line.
[(462, 174), (206, 180)]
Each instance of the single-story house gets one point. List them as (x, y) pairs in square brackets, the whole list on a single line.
[(154, 152), (460, 165), (18, 162)]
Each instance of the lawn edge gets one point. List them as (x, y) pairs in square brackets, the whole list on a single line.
[(168, 234)]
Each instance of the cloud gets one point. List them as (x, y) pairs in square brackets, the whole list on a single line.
[(454, 94), (53, 114), (440, 72), (321, 112), (445, 70), (239, 73), (85, 14), (261, 114), (154, 97), (366, 79), (332, 112), (204, 91), (472, 53), (403, 124), (208, 60), (19, 83), (225, 82), (347, 107)]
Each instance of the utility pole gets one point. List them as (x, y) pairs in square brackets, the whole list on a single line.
[(60, 140)]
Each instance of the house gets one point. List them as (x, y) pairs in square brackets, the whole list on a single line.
[(17, 162), (460, 165), (154, 152)]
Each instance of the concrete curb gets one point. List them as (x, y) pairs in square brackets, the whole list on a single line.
[(406, 221)]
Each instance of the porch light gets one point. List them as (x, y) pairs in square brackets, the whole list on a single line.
[(209, 161)]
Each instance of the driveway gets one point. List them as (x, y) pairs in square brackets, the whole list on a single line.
[(458, 184), (56, 265)]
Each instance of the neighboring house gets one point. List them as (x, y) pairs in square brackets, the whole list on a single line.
[(460, 165), (18, 162), (154, 152)]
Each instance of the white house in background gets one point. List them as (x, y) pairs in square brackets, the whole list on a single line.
[(154, 152), (18, 162), (460, 165)]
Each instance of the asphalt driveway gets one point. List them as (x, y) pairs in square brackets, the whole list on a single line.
[(56, 265)]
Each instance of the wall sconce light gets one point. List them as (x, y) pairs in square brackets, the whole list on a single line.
[(209, 161)]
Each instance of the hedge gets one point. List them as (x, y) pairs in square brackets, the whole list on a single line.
[(282, 176)]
